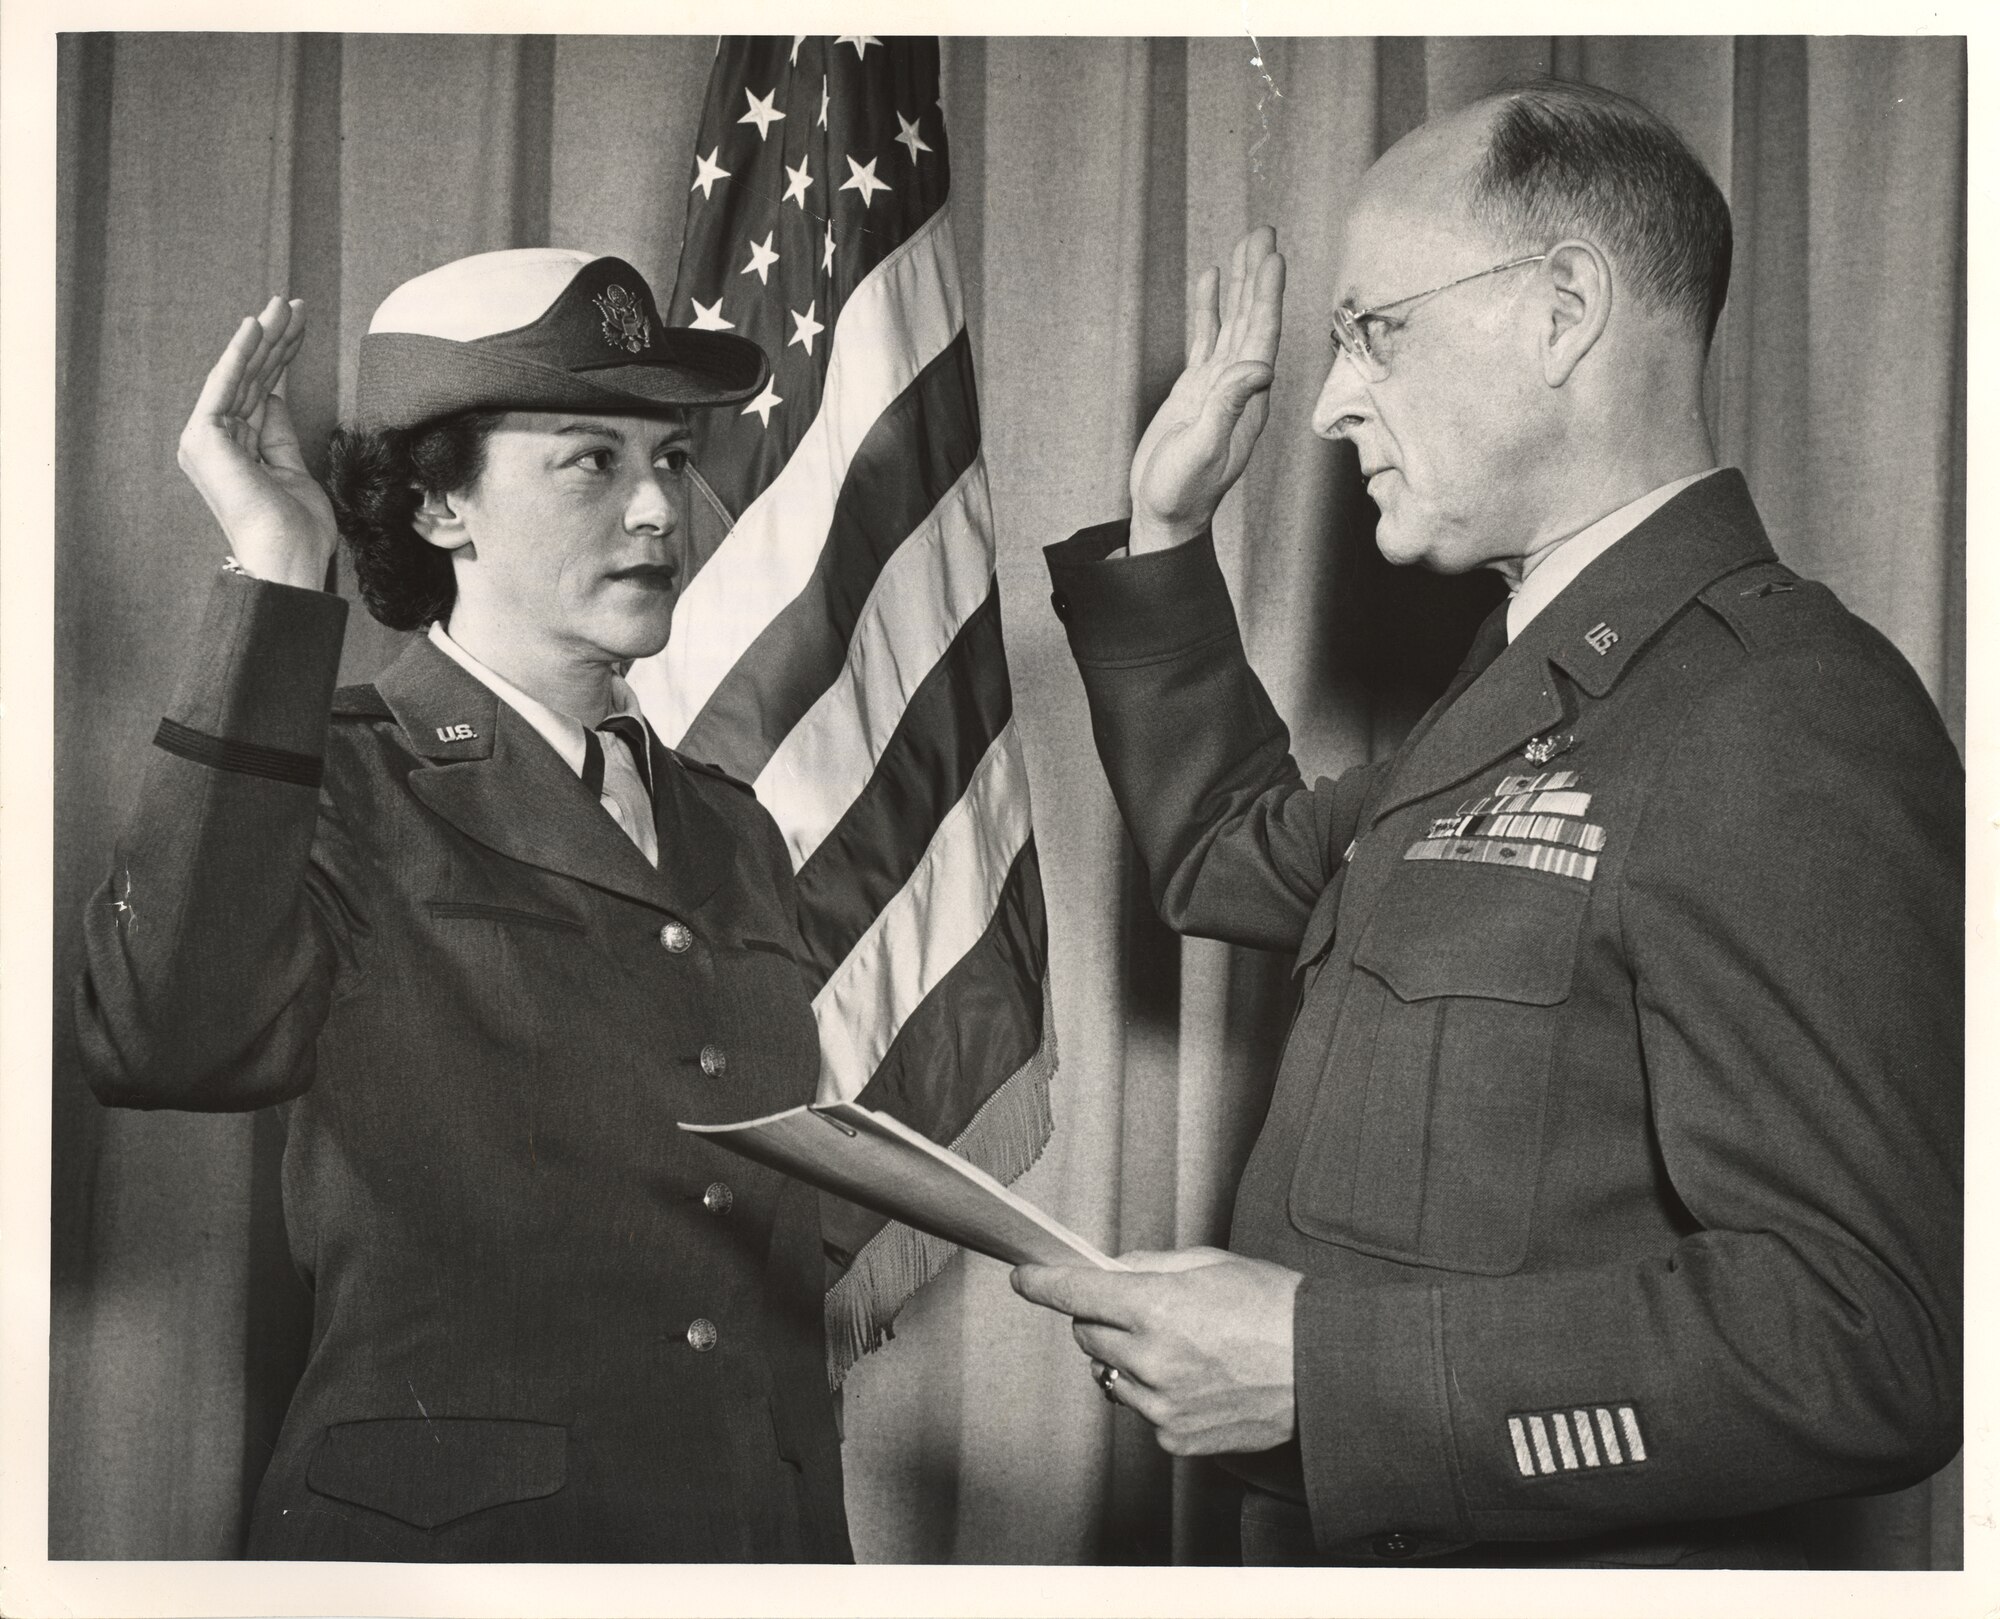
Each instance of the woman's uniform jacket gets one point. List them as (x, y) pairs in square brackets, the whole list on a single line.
[(547, 1324), (1618, 1130)]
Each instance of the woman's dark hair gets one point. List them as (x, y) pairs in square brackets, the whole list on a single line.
[(377, 478)]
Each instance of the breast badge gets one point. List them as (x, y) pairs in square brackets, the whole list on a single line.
[(1544, 748)]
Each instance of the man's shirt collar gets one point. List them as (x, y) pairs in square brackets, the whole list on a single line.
[(1584, 547)]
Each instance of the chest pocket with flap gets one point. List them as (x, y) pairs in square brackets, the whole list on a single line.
[(1424, 1143)]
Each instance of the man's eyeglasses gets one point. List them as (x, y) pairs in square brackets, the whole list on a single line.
[(1350, 326)]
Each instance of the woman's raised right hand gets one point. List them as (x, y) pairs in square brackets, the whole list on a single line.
[(240, 451)]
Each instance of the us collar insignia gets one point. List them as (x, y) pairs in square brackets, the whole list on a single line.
[(1544, 748), (625, 323)]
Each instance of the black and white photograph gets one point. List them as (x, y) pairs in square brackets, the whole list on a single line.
[(1156, 822)]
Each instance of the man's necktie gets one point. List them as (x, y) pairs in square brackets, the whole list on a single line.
[(1488, 642), (621, 778)]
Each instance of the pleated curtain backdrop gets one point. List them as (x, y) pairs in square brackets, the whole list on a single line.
[(198, 173)]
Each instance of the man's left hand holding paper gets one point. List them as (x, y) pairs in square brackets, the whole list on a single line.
[(1197, 1341)]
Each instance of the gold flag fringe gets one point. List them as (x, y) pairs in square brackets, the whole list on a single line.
[(1004, 1138)]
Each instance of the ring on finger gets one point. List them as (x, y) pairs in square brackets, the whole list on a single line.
[(1107, 1382)]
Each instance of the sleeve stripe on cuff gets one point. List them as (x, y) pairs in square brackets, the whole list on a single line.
[(243, 758), (1533, 1457)]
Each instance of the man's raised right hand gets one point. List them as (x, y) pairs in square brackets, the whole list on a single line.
[(1200, 440), (240, 451)]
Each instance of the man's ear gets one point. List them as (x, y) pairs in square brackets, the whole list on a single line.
[(1580, 276), (440, 522)]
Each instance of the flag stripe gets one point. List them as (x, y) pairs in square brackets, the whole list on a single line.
[(936, 580), (984, 1016), (934, 1069), (947, 728), (938, 915), (899, 320), (909, 461)]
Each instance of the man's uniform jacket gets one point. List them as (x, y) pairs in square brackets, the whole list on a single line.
[(1618, 1132), (547, 1324)]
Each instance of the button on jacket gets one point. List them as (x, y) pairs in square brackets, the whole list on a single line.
[(1618, 1130), (534, 1338)]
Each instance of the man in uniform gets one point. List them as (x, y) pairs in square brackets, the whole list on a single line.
[(1609, 1197)]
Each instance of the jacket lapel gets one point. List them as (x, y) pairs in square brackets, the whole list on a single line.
[(696, 844), (506, 788), (1511, 703), (1591, 632)]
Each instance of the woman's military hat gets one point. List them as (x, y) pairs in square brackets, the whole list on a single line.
[(540, 328)]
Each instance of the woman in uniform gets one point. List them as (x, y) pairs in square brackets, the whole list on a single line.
[(486, 940)]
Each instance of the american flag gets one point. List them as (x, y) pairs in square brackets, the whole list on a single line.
[(841, 648)]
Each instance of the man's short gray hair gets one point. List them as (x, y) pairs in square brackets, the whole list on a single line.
[(1568, 159)]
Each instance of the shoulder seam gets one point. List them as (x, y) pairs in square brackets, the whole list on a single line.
[(707, 769)]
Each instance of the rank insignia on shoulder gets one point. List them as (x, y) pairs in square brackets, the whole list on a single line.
[(1577, 1438), (1544, 748)]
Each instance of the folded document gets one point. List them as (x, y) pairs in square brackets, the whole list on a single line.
[(881, 1163)]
